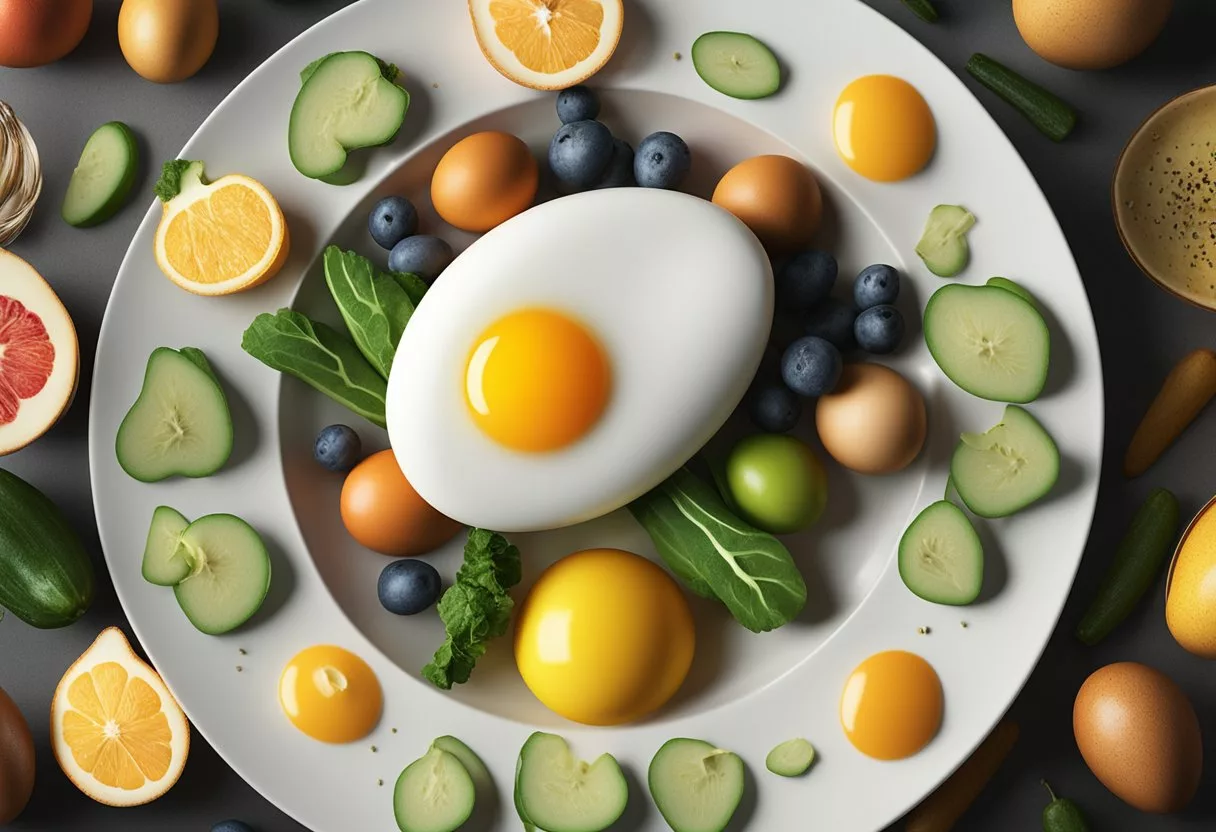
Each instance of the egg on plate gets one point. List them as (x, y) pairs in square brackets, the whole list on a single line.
[(874, 422), (883, 128), (892, 705), (576, 355), (605, 637), (484, 180), (330, 694)]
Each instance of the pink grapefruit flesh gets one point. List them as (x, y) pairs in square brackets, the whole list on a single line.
[(39, 355)]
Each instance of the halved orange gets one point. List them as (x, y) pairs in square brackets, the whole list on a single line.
[(218, 238), (547, 44), (117, 732)]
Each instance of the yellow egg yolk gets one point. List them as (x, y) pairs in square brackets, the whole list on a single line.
[(604, 637), (537, 380), (883, 128), (330, 694), (892, 705)]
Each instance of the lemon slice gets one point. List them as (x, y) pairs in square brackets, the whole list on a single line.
[(218, 238), (117, 732), (547, 44)]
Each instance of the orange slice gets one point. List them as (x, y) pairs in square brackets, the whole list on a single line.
[(547, 44), (218, 238), (117, 732)]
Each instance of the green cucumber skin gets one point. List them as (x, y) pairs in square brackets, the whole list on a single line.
[(1142, 554), (46, 575), (1062, 815), (924, 9), (126, 183), (1052, 116), (706, 41)]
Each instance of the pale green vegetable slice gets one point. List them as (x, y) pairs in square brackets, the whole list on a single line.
[(102, 179), (1005, 469), (1009, 286), (230, 574), (941, 558), (943, 245), (736, 64), (558, 793), (433, 794), (791, 758), (695, 786), (166, 561)]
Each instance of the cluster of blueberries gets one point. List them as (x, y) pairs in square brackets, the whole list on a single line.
[(406, 587), (393, 223), (811, 365), (584, 155)]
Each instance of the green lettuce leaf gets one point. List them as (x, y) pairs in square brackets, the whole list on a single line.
[(374, 305), (718, 555), (476, 608), (320, 357)]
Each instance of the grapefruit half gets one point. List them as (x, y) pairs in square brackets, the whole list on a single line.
[(39, 355)]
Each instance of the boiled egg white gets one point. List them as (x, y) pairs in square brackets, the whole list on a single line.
[(576, 355)]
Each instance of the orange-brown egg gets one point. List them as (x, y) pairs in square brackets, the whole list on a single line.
[(167, 41), (16, 760), (383, 512), (37, 32), (483, 180), (1090, 34), (874, 422), (777, 197), (1139, 735)]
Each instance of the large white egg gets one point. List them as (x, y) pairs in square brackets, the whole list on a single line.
[(677, 292)]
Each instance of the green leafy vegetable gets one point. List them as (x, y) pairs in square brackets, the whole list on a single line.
[(476, 608), (415, 287), (389, 71), (374, 305), (718, 555), (320, 357), (172, 175)]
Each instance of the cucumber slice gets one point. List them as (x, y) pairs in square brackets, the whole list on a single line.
[(435, 793), (1005, 469), (103, 177), (941, 558), (988, 341), (943, 245), (519, 801), (736, 64), (791, 758), (347, 102), (558, 793), (166, 561), (468, 758), (230, 575), (696, 786), (180, 424), (1009, 286)]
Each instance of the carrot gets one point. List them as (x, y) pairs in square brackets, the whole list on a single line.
[(1185, 392), (942, 809)]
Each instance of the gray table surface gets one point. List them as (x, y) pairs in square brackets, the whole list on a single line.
[(1142, 330)]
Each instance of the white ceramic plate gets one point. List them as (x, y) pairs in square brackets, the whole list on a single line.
[(746, 692)]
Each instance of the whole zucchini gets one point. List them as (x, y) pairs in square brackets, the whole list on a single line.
[(46, 576)]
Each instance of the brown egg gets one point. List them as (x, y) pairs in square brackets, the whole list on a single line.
[(16, 760), (777, 197), (37, 32), (1139, 735), (874, 422), (383, 512), (483, 180), (1090, 34), (167, 41)]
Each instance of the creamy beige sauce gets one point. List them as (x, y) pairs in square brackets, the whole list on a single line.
[(1165, 196)]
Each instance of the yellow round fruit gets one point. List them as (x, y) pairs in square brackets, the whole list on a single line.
[(547, 44), (117, 732), (605, 637)]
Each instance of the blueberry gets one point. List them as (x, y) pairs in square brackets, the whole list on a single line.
[(392, 220), (811, 366), (832, 320), (577, 104), (423, 255), (232, 826), (337, 448), (407, 587), (804, 280), (876, 286), (879, 329), (662, 161), (579, 154), (775, 408), (620, 170)]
